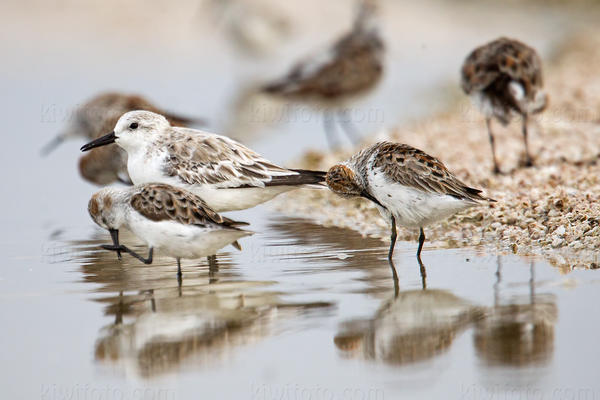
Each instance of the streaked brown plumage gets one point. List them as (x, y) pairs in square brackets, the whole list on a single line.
[(414, 168), (504, 77), (408, 186), (224, 173), (354, 67), (160, 202), (171, 219), (104, 166), (349, 69)]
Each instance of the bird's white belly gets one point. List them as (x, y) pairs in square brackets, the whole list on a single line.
[(182, 241), (236, 199), (413, 208), (144, 169)]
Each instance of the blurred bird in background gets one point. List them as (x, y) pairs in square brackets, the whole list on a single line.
[(503, 78), (97, 117), (333, 79)]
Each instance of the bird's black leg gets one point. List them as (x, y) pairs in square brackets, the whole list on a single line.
[(136, 255), (213, 269), (421, 241), (346, 121), (488, 122), (330, 133), (528, 159), (392, 238)]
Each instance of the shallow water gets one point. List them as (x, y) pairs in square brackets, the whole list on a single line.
[(303, 311)]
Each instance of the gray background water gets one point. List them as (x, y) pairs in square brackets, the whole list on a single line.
[(303, 311)]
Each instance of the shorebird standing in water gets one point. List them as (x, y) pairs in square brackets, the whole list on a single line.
[(98, 116), (224, 173), (409, 187), (504, 77), (172, 220), (349, 69)]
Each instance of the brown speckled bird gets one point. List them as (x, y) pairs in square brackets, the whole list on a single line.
[(408, 186), (98, 116), (349, 69), (173, 220), (503, 78)]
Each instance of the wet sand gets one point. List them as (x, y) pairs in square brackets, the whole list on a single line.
[(550, 209)]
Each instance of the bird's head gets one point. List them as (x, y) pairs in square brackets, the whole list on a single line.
[(342, 180), (133, 130)]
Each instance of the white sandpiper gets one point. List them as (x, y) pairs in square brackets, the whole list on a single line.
[(224, 173)]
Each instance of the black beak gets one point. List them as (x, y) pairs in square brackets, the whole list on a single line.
[(114, 234), (368, 196), (101, 141)]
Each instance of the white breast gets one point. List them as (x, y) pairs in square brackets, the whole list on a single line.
[(411, 207), (179, 240), (143, 168)]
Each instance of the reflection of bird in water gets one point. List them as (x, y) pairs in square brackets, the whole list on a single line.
[(331, 80), (504, 77), (519, 333), (351, 248), (163, 329), (413, 326), (157, 325), (255, 27), (200, 327), (97, 117), (172, 220)]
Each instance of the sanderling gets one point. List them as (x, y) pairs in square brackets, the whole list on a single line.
[(172, 220), (349, 69), (504, 77), (224, 173), (98, 116), (409, 187)]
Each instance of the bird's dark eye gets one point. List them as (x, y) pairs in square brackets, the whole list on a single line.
[(133, 125)]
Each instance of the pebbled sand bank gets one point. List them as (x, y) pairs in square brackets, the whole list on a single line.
[(551, 209)]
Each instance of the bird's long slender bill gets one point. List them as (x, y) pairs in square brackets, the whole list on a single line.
[(51, 145), (114, 234), (101, 141)]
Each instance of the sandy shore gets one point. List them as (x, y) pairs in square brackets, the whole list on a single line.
[(550, 209)]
